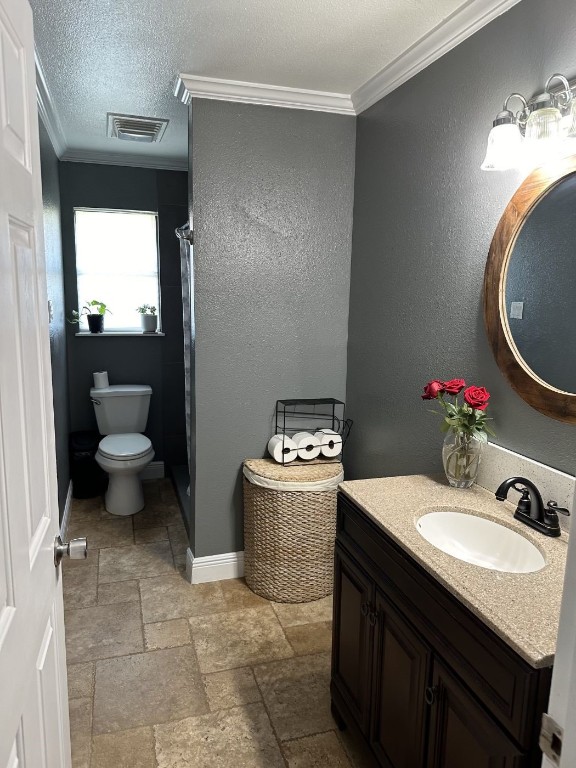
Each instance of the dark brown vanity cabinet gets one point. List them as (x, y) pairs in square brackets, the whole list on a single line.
[(460, 728), (417, 675)]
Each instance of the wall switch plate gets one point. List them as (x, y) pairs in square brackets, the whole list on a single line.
[(50, 311), (517, 310)]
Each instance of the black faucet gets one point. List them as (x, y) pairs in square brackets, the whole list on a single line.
[(530, 509)]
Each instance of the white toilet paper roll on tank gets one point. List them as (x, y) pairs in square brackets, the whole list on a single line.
[(330, 443), (282, 449), (101, 379), (308, 445)]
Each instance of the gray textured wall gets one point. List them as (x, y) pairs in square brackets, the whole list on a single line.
[(272, 203), (55, 285), (157, 361), (424, 215), (542, 275)]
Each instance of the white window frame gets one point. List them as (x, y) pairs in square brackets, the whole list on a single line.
[(118, 331)]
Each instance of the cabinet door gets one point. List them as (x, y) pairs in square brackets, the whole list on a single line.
[(353, 594), (461, 733), (401, 670)]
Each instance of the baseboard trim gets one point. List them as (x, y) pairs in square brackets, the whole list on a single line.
[(199, 570), (154, 471), (66, 515)]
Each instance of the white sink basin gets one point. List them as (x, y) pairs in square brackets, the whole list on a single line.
[(480, 542)]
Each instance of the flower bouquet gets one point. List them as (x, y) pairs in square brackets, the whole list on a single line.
[(465, 424)]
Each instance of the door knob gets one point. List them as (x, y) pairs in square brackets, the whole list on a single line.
[(75, 549)]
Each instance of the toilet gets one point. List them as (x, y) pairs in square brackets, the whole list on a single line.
[(122, 412)]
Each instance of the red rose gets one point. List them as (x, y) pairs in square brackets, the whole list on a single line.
[(433, 389), (454, 386), (477, 397)]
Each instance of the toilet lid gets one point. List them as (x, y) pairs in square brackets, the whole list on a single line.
[(124, 447)]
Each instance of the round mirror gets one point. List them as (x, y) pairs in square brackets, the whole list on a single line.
[(540, 288), (530, 290)]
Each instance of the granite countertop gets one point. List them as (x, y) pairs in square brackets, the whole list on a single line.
[(521, 608)]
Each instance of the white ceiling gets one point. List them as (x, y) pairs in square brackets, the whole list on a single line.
[(102, 56)]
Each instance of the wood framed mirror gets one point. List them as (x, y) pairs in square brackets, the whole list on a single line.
[(530, 290)]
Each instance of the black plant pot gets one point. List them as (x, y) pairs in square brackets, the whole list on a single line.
[(95, 323)]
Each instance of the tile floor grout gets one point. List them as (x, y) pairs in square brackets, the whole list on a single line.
[(227, 644), (274, 731)]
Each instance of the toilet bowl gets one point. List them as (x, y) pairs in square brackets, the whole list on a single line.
[(121, 412), (123, 457)]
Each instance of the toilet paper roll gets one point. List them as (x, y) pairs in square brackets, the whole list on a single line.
[(330, 442), (101, 380), (308, 445), (282, 449)]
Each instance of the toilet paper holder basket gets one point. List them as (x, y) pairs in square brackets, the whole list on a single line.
[(311, 415)]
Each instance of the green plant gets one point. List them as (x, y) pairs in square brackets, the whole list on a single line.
[(93, 307), (146, 309)]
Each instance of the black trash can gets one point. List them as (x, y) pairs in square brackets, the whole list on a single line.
[(88, 479)]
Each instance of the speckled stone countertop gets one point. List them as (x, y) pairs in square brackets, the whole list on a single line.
[(521, 608)]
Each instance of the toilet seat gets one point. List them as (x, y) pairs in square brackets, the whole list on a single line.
[(124, 447)]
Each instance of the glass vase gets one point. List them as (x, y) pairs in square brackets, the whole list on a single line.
[(461, 455)]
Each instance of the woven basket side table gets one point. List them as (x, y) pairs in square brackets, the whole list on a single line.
[(289, 535)]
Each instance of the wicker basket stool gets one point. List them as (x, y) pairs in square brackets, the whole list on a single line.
[(289, 534)]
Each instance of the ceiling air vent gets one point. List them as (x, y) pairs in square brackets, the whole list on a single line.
[(147, 130)]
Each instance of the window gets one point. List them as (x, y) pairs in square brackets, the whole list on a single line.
[(117, 263)]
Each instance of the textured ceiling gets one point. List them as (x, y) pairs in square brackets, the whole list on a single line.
[(104, 56)]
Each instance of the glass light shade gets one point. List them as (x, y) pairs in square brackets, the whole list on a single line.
[(543, 139), (504, 150), (568, 122), (543, 124)]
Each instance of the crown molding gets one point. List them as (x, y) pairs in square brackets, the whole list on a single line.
[(463, 23), (195, 86), (47, 110), (112, 158)]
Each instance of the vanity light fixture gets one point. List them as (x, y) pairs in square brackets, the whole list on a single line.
[(544, 128), (505, 141)]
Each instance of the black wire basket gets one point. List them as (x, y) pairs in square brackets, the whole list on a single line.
[(312, 415)]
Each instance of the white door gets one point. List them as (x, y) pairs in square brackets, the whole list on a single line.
[(562, 706), (34, 730)]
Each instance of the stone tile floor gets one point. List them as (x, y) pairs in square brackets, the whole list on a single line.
[(164, 674)]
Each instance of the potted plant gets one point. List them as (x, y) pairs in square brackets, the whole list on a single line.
[(148, 318), (94, 311)]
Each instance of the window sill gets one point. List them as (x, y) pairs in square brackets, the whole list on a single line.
[(121, 333)]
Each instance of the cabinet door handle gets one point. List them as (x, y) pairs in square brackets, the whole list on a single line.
[(365, 610), (373, 618), (430, 695)]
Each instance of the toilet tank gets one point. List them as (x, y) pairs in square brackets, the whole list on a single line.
[(121, 408)]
